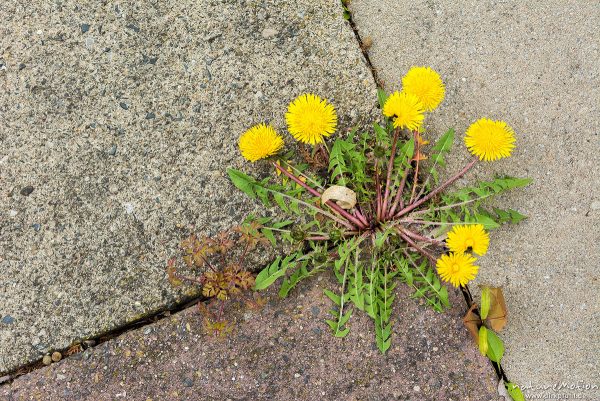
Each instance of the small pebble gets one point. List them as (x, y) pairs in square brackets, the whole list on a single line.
[(56, 356), (113, 150), (129, 208), (47, 360), (85, 28), (188, 382), (296, 375), (148, 330), (268, 33), (26, 191), (417, 388), (124, 105), (36, 227), (150, 116), (8, 319), (113, 189)]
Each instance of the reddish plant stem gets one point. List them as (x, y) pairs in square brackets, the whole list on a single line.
[(398, 200), (360, 216), (439, 189), (191, 279), (318, 238), (416, 177), (414, 245), (388, 180), (208, 263), (420, 237), (243, 257), (353, 221)]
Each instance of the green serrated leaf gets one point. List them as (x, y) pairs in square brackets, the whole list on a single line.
[(280, 202), (243, 182), (336, 299), (272, 272), (487, 222), (269, 235), (442, 146)]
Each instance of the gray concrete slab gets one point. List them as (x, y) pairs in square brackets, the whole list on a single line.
[(535, 65), (282, 352), (117, 121)]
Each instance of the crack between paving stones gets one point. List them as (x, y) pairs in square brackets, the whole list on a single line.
[(156, 316), (99, 339), (500, 373), (364, 50)]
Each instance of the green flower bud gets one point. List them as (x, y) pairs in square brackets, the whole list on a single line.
[(298, 234), (486, 300), (335, 235), (483, 340)]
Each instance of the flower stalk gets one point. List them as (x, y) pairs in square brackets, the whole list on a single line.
[(352, 224), (436, 191)]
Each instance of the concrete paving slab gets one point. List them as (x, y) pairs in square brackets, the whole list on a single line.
[(117, 121), (535, 65), (282, 352)]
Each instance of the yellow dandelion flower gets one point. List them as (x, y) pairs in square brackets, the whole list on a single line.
[(406, 109), (468, 238), (310, 118), (426, 84), (259, 142), (457, 268), (490, 140)]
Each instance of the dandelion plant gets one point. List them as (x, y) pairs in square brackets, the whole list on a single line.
[(371, 207)]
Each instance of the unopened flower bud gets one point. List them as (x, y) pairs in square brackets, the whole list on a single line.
[(335, 235), (485, 302), (298, 234), (483, 340)]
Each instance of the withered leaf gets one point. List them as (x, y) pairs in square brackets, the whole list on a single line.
[(171, 274), (472, 322), (497, 315)]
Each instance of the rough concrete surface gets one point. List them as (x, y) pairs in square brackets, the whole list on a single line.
[(117, 122), (282, 352), (536, 65)]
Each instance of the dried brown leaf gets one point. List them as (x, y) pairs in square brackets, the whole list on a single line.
[(497, 316), (472, 322), (172, 274)]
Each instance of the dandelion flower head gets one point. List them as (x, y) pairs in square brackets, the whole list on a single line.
[(490, 140), (426, 84), (309, 119), (259, 142), (457, 268)]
